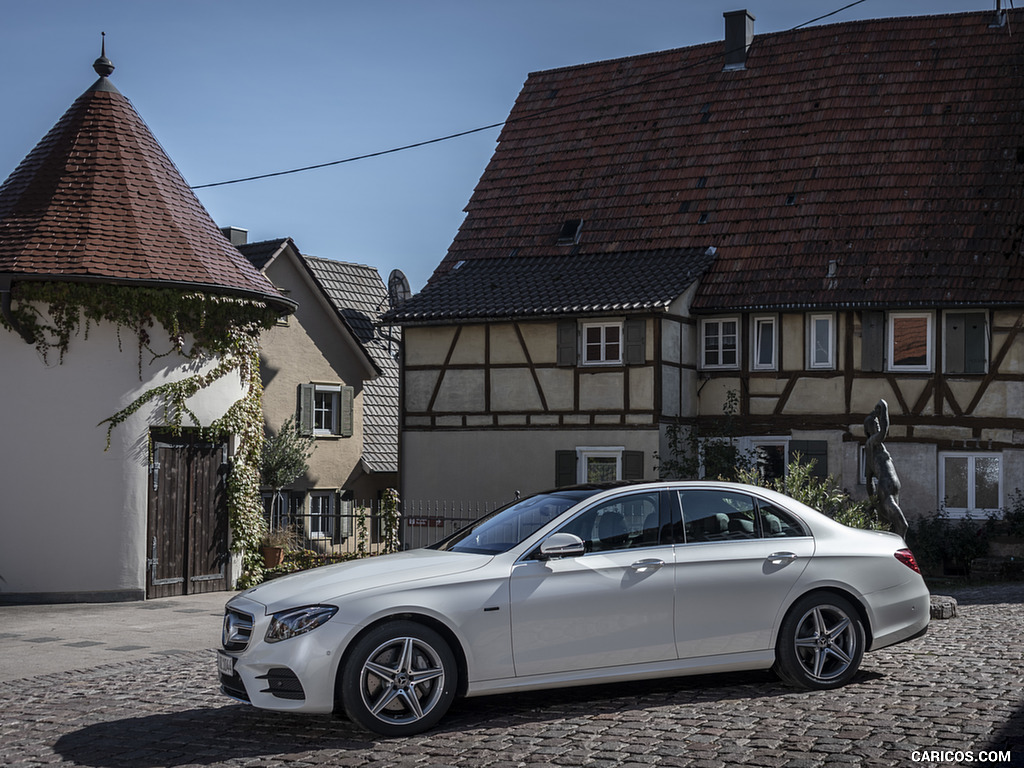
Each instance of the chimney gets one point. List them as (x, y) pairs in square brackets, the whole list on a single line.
[(739, 33), (236, 235)]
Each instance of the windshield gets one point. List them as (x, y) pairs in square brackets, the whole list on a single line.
[(504, 528)]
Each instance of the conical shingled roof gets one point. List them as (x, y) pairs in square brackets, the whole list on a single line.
[(99, 200)]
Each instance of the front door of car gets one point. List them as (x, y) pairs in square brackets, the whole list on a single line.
[(741, 559), (609, 607)]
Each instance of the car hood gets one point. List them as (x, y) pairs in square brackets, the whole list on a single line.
[(330, 582)]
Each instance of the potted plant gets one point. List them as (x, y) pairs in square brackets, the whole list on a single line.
[(275, 543), (282, 460)]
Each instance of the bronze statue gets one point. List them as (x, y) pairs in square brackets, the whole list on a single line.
[(882, 480)]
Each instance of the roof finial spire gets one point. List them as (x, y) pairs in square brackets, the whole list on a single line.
[(103, 66)]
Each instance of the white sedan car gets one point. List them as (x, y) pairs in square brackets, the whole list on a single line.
[(576, 586)]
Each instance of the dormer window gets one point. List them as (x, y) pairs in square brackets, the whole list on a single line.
[(570, 232)]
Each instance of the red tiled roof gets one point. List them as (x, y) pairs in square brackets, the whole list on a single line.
[(870, 162), (98, 199)]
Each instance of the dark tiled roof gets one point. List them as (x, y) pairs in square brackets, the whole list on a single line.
[(544, 286), (98, 199), (260, 254), (871, 162), (359, 296)]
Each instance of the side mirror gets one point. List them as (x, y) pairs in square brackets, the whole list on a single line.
[(562, 545)]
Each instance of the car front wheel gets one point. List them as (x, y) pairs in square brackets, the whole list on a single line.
[(821, 642), (399, 679)]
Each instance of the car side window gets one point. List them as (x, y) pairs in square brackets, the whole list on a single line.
[(625, 522), (776, 523), (713, 515)]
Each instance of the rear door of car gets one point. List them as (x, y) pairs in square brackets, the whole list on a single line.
[(612, 606), (740, 560)]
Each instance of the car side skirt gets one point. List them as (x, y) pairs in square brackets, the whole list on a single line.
[(733, 662)]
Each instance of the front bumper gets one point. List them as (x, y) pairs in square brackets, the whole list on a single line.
[(294, 675)]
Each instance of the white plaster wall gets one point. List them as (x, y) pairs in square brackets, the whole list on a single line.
[(73, 518)]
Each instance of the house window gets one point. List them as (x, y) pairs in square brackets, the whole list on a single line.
[(602, 343), (765, 346), (719, 343), (597, 464), (326, 409), (971, 483), (966, 342), (821, 342), (321, 514), (910, 341)]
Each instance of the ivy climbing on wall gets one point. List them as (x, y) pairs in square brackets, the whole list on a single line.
[(201, 327)]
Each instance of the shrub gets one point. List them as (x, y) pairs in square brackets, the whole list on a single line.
[(945, 546)]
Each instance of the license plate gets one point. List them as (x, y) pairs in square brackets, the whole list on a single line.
[(225, 664)]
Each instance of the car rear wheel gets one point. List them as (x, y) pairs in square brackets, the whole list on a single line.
[(821, 642), (399, 679)]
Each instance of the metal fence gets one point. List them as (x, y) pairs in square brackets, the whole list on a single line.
[(354, 528)]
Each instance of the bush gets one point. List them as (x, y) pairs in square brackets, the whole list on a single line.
[(945, 546)]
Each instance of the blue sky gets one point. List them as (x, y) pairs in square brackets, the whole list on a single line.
[(234, 88)]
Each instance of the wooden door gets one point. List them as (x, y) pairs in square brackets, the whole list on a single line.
[(187, 537)]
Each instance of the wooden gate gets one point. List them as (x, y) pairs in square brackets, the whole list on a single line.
[(187, 534)]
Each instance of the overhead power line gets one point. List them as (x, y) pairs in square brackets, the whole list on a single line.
[(492, 126)]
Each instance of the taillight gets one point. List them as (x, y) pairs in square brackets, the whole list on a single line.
[(906, 557)]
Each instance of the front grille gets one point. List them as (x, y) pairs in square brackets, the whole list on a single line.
[(283, 684), (237, 630)]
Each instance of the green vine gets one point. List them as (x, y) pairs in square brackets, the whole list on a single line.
[(221, 328)]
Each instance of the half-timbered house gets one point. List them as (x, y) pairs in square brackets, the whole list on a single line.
[(801, 223)]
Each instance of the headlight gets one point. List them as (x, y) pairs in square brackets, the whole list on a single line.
[(297, 621)]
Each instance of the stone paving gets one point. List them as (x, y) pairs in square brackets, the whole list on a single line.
[(950, 698)]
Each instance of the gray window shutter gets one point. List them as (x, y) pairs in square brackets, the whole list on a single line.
[(872, 341), (811, 450), (306, 409), (567, 342), (635, 331), (975, 343), (346, 417), (565, 468), (633, 465)]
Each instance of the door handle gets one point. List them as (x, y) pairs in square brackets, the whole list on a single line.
[(777, 558), (642, 566)]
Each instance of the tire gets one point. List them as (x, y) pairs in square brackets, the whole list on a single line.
[(821, 642), (399, 679)]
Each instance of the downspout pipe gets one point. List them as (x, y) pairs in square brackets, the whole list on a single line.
[(8, 315)]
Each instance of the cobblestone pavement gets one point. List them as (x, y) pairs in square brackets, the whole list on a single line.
[(954, 695)]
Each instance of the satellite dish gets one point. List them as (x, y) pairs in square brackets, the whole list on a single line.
[(398, 288)]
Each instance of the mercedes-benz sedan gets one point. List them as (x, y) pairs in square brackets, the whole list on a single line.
[(576, 586)]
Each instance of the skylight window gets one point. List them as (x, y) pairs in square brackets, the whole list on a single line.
[(570, 232)]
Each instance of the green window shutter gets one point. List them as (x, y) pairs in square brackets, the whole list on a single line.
[(872, 341), (346, 402), (811, 450), (306, 392), (566, 343), (635, 332), (565, 468), (633, 465)]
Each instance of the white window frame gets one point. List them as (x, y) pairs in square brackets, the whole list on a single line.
[(604, 344), (814, 340), (333, 392), (971, 510), (757, 324), (585, 453), (719, 365), (890, 331), (325, 519)]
